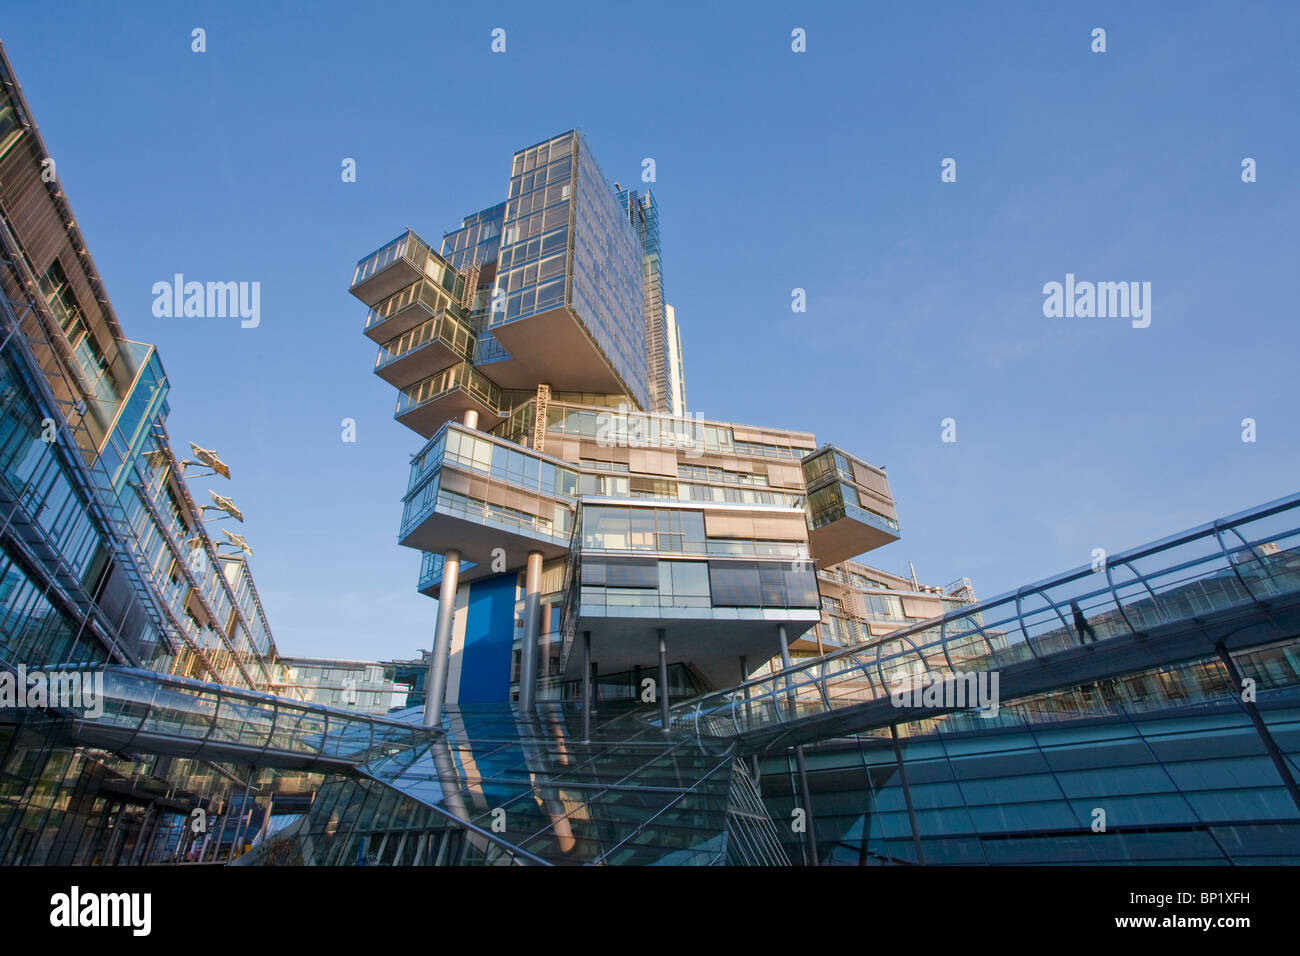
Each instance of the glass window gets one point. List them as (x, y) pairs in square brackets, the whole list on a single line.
[(692, 523), (684, 583), (10, 127), (631, 573), (771, 581), (734, 584), (642, 536), (690, 578), (606, 529)]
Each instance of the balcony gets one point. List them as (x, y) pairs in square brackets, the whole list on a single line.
[(430, 347), (405, 309), (446, 396), (478, 494), (397, 265)]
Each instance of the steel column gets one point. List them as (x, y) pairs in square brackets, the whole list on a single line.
[(586, 686), (663, 679), (532, 622), (439, 658)]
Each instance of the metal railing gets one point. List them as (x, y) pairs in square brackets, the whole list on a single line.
[(423, 293), (463, 376), (1248, 559), (407, 246), (443, 327), (158, 713)]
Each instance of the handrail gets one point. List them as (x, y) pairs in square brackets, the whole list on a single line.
[(1162, 586), (329, 736)]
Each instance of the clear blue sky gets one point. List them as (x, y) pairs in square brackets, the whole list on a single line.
[(775, 170)]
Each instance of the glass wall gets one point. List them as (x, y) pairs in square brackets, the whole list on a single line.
[(1169, 754), (560, 206), (463, 376), (430, 297), (477, 240), (535, 232)]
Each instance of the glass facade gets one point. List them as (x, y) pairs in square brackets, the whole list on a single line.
[(1170, 756), (535, 231), (566, 241), (103, 557), (478, 239)]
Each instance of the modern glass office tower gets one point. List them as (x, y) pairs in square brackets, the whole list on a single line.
[(676, 366), (662, 342), (571, 528), (104, 556)]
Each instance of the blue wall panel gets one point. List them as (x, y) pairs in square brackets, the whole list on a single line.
[(489, 640)]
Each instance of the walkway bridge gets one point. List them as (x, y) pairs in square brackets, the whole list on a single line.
[(1225, 586), (492, 788)]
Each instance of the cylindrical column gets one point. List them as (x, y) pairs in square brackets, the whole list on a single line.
[(586, 685), (790, 705), (744, 676), (438, 659), (532, 620), (663, 679), (471, 418), (806, 798), (142, 841), (245, 820), (221, 830), (800, 767)]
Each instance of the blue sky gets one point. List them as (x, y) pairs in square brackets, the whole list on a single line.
[(775, 170)]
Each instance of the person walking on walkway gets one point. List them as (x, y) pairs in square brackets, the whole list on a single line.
[(1081, 624)]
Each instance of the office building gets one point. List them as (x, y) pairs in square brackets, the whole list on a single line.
[(105, 557), (569, 525)]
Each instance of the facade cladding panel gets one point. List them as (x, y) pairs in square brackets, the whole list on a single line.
[(489, 640)]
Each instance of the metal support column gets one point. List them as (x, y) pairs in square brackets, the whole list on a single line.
[(801, 768), (532, 622), (744, 676), (806, 797), (663, 679), (586, 686), (146, 833), (1274, 752), (439, 658), (221, 830), (241, 827), (907, 796)]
